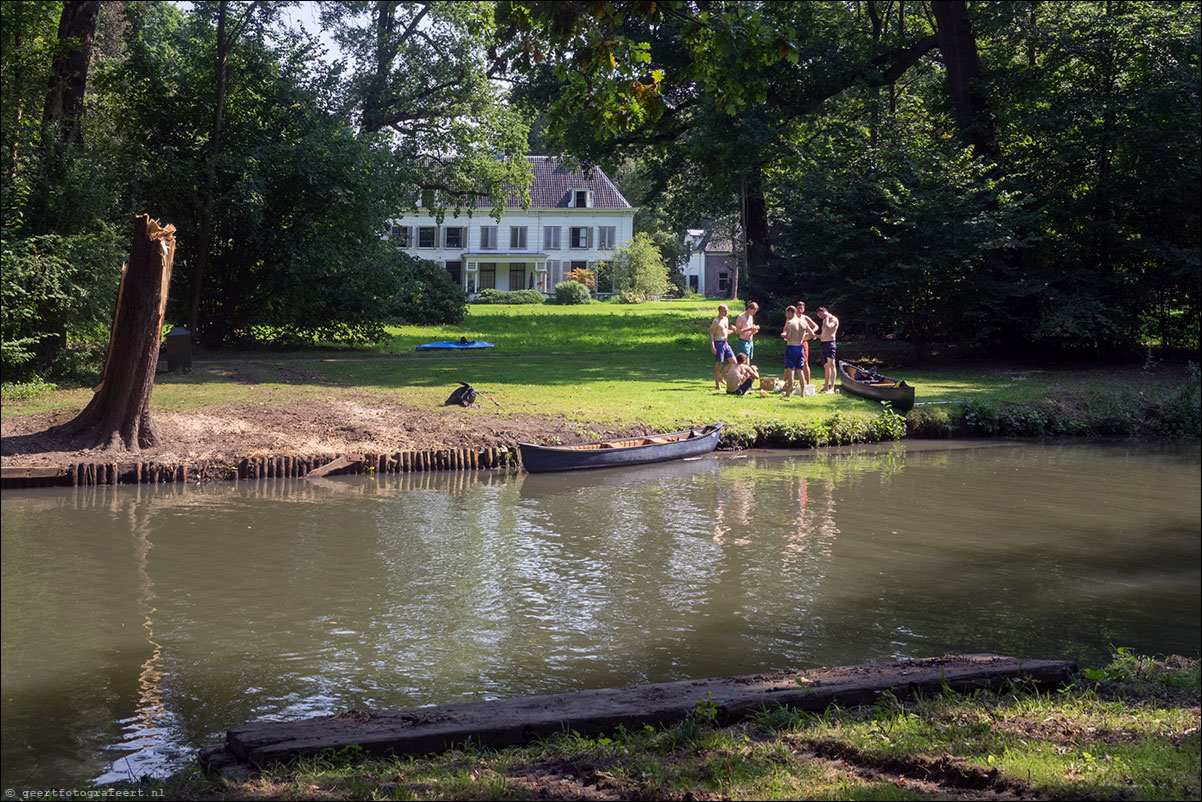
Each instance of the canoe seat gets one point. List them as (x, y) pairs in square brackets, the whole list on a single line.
[(650, 441)]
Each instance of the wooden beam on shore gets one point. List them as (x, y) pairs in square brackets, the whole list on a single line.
[(36, 477), (351, 463), (511, 722)]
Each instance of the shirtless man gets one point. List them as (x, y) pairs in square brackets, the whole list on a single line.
[(724, 358), (794, 337), (746, 329), (740, 378), (811, 332), (830, 325)]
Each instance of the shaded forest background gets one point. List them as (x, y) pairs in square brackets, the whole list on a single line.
[(1019, 177)]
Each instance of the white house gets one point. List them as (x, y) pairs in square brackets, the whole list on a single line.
[(576, 218), (712, 263)]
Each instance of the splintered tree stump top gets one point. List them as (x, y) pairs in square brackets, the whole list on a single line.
[(118, 416)]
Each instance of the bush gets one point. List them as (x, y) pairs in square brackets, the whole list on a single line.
[(835, 430), (571, 292), (1180, 413), (584, 276), (637, 270), (56, 289), (934, 424), (426, 293), (491, 296), (23, 391)]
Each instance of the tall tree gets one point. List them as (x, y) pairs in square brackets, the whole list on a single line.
[(958, 44), (226, 37), (723, 81), (424, 73), (69, 78)]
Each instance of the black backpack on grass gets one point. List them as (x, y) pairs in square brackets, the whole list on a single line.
[(462, 396)]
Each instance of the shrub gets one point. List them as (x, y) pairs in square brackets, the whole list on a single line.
[(631, 297), (929, 423), (981, 418), (426, 292), (571, 292), (23, 391), (637, 270), (583, 276), (1180, 413), (491, 296), (55, 289)]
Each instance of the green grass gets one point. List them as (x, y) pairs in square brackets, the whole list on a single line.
[(1131, 736), (616, 365)]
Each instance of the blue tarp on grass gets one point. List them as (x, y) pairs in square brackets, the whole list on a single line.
[(448, 345)]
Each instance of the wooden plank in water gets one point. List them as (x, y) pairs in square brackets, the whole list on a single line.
[(32, 473), (346, 464), (516, 721)]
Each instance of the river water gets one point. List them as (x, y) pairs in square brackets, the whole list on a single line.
[(141, 622)]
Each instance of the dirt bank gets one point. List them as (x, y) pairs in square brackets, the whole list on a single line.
[(226, 434)]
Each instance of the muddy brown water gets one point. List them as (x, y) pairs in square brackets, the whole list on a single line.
[(141, 622)]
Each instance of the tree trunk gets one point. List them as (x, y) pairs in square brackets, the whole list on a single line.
[(118, 416), (206, 212), (958, 43), (69, 75), (755, 227)]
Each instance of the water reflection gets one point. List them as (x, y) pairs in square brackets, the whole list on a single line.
[(143, 621)]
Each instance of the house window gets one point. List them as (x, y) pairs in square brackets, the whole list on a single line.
[(427, 236), (551, 238), (606, 236), (581, 236), (455, 269), (517, 276), (554, 272), (582, 199), (517, 238), (723, 283), (580, 265), (401, 236), (488, 238), (488, 275), (453, 237)]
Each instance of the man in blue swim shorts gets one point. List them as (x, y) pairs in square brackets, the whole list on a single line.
[(794, 337), (724, 357)]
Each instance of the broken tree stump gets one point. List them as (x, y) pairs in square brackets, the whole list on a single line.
[(118, 416)]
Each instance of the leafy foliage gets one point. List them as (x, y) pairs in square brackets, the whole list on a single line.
[(583, 275), (572, 292), (494, 296), (637, 271), (55, 287), (426, 292), (423, 72)]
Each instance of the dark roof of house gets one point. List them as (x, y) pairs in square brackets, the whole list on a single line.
[(553, 185)]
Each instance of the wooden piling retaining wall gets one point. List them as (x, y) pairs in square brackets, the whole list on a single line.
[(86, 474)]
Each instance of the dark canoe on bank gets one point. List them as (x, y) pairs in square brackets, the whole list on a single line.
[(623, 451), (870, 384)]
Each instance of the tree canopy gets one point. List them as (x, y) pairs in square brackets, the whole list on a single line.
[(1005, 174)]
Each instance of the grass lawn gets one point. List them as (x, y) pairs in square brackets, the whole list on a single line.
[(1126, 732), (604, 363)]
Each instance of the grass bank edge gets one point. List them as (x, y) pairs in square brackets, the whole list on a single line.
[(1128, 730)]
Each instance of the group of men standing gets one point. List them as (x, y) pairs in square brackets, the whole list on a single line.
[(737, 370)]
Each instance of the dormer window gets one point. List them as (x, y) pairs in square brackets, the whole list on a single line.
[(582, 199)]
